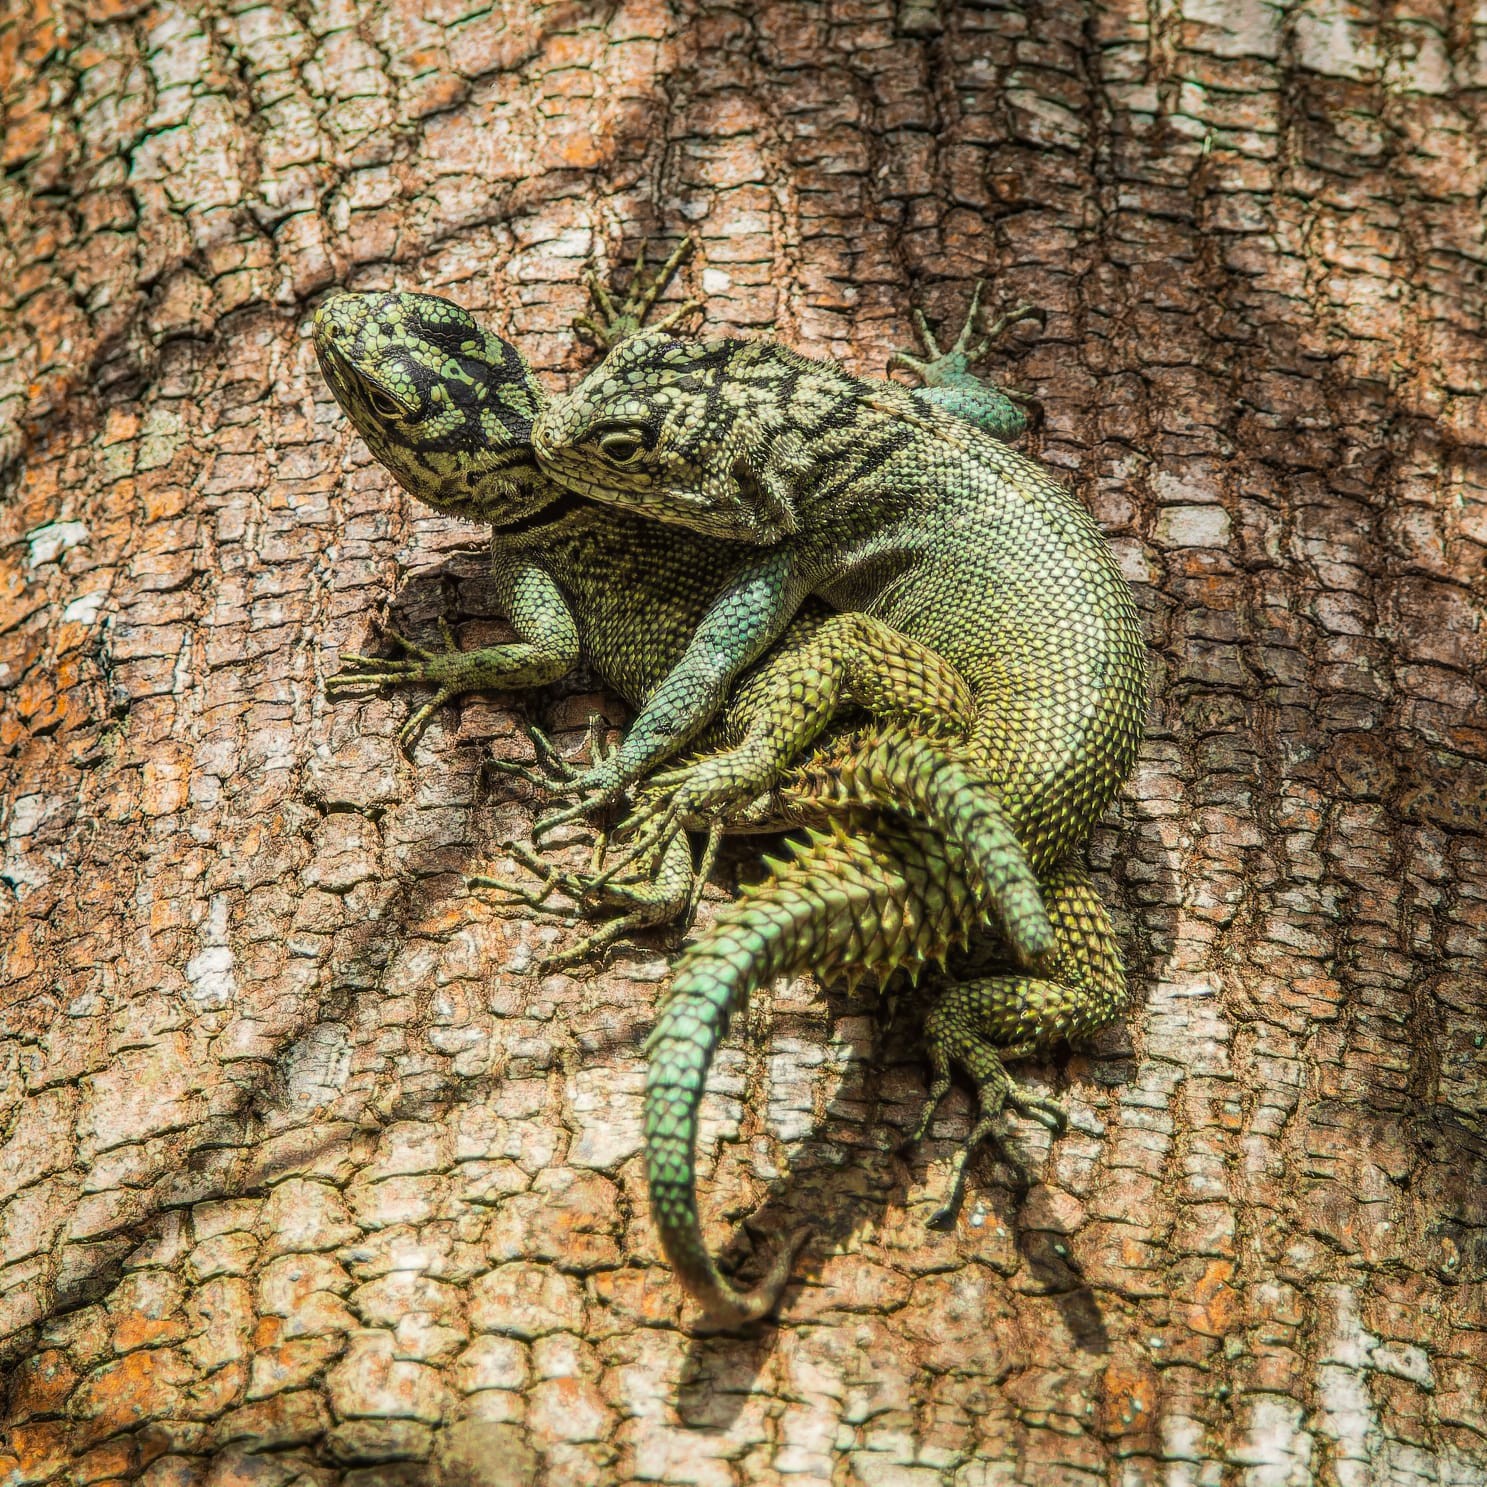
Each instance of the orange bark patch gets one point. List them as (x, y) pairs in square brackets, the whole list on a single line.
[(1215, 1304), (142, 1386), (1128, 1399)]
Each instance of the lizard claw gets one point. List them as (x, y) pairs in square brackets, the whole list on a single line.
[(704, 871), (534, 899), (552, 876), (590, 945), (550, 879), (597, 789), (687, 307), (382, 671), (945, 1215), (1048, 1113), (418, 719), (947, 380), (587, 890), (580, 950), (528, 774), (937, 1092), (427, 667), (372, 671), (579, 885), (929, 359)]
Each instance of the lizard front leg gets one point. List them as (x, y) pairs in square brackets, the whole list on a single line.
[(750, 613), (614, 322), (947, 380), (547, 649)]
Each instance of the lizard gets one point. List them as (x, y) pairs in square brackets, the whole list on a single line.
[(448, 408), (375, 348), (859, 492)]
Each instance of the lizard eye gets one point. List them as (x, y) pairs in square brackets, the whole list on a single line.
[(620, 449), (383, 405)]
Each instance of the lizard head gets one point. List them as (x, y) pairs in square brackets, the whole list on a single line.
[(446, 406), (693, 432)]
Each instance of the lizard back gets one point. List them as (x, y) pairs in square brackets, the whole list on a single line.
[(884, 504)]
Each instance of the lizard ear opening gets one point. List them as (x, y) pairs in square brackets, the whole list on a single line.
[(767, 495), (747, 500)]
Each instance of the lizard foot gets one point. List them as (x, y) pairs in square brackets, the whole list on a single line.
[(444, 670), (659, 847), (597, 790), (551, 879), (597, 787), (616, 323), (552, 773), (692, 796), (661, 892), (584, 949), (996, 1093), (590, 947), (590, 888), (946, 374)]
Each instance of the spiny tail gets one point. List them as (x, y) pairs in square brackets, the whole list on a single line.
[(907, 773), (871, 903)]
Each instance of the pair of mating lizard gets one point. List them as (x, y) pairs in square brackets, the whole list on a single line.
[(746, 544)]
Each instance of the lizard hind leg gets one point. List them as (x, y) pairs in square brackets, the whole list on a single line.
[(908, 766), (981, 1024), (782, 707), (907, 773)]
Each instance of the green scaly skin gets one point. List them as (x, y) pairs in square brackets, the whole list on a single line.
[(837, 488)]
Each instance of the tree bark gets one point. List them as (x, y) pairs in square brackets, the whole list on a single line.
[(305, 1178)]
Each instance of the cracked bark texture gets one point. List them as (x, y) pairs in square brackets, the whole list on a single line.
[(304, 1178)]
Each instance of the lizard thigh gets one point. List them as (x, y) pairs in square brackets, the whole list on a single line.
[(822, 665)]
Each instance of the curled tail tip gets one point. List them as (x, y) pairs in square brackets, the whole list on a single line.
[(724, 1308)]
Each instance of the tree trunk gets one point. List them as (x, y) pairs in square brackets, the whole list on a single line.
[(306, 1178)]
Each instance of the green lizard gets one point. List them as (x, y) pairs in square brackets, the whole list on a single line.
[(465, 402), (859, 493)]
